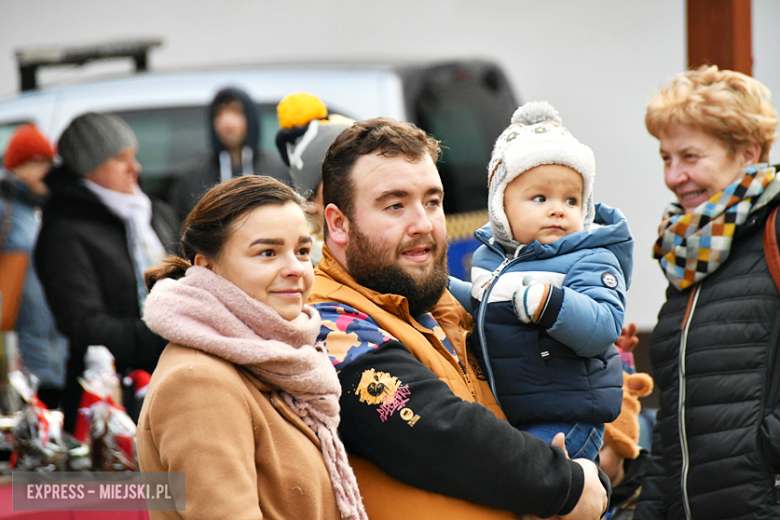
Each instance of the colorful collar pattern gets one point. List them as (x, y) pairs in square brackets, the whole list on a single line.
[(691, 247), (429, 322)]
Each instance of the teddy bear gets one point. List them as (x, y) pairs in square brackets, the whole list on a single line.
[(621, 457)]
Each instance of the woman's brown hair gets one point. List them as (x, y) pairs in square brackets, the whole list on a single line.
[(211, 222)]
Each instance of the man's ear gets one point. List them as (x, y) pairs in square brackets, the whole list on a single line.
[(202, 261), (338, 224)]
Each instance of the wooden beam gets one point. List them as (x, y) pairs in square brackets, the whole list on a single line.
[(719, 33)]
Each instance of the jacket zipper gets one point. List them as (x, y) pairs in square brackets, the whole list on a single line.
[(488, 288), (489, 282), (681, 404), (456, 360)]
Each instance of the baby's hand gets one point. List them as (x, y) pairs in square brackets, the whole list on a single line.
[(628, 338), (527, 299)]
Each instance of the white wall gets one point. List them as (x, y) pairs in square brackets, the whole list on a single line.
[(598, 62)]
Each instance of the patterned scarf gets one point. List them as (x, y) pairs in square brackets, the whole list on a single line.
[(207, 312), (691, 247)]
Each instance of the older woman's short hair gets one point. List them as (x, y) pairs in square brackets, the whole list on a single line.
[(731, 106)]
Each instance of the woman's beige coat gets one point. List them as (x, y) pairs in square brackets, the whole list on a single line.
[(245, 453)]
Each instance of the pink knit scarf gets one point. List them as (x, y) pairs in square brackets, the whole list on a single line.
[(205, 311)]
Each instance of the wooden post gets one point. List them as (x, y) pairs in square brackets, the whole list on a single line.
[(719, 33)]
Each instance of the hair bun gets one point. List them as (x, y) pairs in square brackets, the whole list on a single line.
[(535, 112)]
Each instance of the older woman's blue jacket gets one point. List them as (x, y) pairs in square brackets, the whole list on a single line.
[(565, 367)]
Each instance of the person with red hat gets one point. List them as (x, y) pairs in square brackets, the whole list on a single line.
[(26, 162)]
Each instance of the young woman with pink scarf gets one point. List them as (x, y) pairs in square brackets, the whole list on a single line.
[(242, 400)]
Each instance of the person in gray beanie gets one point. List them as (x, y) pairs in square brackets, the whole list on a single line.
[(306, 132), (549, 285), (99, 234), (92, 139)]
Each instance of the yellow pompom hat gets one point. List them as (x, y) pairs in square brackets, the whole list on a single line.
[(306, 133), (299, 110)]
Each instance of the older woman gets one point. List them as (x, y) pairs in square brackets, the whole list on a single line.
[(716, 448), (242, 401), (99, 234)]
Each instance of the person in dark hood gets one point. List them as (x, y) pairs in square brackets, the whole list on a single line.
[(234, 131)]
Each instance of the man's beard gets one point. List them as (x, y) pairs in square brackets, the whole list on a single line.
[(371, 269)]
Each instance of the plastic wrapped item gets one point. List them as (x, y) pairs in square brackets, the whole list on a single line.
[(113, 439), (79, 458), (101, 423), (100, 384), (7, 425), (37, 437)]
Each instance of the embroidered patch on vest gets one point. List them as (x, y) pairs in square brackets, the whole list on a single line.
[(387, 391), (609, 280), (478, 373)]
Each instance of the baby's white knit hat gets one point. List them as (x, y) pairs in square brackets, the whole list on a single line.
[(535, 136)]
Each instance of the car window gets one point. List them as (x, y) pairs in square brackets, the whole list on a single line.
[(269, 127), (170, 139)]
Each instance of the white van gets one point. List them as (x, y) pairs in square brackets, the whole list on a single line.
[(465, 104)]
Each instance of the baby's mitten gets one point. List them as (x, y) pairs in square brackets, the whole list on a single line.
[(529, 298)]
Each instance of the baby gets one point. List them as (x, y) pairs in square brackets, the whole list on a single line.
[(549, 285)]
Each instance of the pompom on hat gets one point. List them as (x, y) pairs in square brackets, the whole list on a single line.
[(139, 380), (535, 136), (306, 133), (27, 143), (300, 109), (93, 138)]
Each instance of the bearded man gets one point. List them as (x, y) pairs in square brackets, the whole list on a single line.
[(424, 433)]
